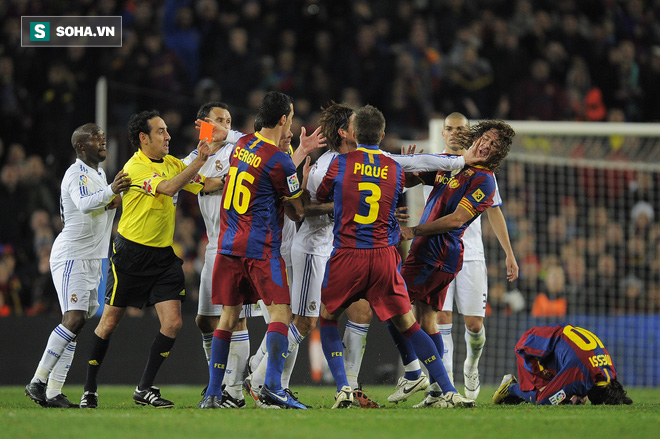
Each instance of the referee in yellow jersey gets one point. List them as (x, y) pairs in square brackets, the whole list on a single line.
[(144, 268)]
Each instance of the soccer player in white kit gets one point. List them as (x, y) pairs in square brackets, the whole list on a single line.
[(87, 207)]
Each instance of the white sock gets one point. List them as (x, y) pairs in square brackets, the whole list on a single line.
[(239, 351), (475, 342), (412, 366), (259, 374), (292, 354), (289, 364), (355, 342), (207, 341), (57, 342), (60, 371), (259, 355), (448, 352)]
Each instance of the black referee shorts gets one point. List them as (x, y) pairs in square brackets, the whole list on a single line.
[(141, 275)]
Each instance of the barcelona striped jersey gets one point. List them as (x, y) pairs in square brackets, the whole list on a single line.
[(573, 359), (471, 188), (366, 186), (260, 176)]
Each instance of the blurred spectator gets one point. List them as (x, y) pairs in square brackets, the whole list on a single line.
[(182, 37), (563, 60), (10, 285), (539, 97), (552, 301)]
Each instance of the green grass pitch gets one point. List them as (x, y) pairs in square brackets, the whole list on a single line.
[(118, 417)]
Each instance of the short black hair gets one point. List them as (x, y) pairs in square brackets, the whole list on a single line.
[(273, 107), (258, 124), (205, 109), (369, 125), (139, 123), (611, 394)]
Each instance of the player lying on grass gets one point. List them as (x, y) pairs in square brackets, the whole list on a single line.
[(561, 364)]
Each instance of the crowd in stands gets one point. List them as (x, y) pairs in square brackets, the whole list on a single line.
[(571, 60)]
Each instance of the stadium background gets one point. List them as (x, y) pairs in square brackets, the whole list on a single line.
[(581, 207)]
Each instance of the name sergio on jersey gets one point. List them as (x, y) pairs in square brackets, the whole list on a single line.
[(247, 157), (370, 170)]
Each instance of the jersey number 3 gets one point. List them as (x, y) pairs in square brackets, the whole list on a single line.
[(371, 200)]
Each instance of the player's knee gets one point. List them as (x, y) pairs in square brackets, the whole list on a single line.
[(205, 323), (172, 326), (305, 325), (74, 322), (474, 325)]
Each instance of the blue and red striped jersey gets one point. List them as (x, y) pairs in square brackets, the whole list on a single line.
[(572, 359), (259, 176), (366, 186), (471, 188)]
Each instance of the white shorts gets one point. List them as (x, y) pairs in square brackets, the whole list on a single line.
[(469, 289), (77, 282), (307, 281), (204, 305)]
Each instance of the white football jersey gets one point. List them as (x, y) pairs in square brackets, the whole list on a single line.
[(315, 234), (87, 224), (216, 165)]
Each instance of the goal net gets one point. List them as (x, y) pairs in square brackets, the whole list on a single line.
[(581, 204)]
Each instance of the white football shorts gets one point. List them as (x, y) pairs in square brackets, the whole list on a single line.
[(307, 281), (469, 289), (77, 283)]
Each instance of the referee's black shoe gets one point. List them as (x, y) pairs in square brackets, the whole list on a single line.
[(151, 396)]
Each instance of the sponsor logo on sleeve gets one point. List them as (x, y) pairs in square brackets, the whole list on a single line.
[(478, 195), (293, 183), (558, 397)]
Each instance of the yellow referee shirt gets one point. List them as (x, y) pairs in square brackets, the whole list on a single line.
[(148, 217)]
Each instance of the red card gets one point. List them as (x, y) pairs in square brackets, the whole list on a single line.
[(206, 131)]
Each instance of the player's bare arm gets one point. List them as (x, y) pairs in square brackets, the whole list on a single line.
[(212, 184), (497, 221), (444, 224), (294, 209), (318, 209), (176, 183)]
